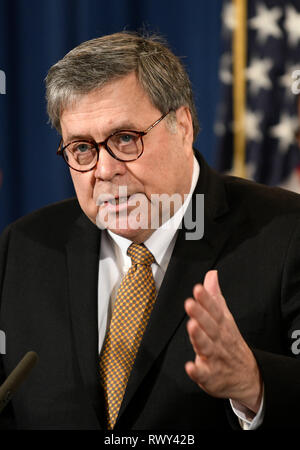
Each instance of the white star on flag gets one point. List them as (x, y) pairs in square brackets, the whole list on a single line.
[(252, 125), (257, 74), (287, 80), (225, 73), (250, 170), (265, 23), (292, 25), (228, 16), (285, 131)]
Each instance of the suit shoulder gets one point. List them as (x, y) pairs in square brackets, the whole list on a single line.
[(56, 213), (51, 222), (260, 196)]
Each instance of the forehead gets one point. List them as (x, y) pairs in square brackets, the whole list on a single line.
[(122, 103)]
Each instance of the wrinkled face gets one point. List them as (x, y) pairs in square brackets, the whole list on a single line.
[(119, 195)]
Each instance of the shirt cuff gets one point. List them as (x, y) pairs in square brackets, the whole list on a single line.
[(247, 418)]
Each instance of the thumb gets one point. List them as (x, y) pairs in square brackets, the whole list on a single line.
[(211, 283)]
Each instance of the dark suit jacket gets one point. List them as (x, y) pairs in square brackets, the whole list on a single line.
[(48, 289)]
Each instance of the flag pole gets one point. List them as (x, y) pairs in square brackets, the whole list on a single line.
[(239, 87)]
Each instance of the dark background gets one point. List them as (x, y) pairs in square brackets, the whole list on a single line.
[(34, 34)]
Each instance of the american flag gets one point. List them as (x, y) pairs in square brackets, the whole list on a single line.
[(272, 82)]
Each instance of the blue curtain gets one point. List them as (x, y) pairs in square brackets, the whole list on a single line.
[(34, 34)]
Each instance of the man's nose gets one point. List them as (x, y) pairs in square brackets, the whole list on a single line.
[(108, 167)]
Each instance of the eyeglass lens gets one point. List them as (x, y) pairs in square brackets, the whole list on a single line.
[(126, 146)]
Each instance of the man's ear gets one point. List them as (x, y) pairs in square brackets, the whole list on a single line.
[(185, 125)]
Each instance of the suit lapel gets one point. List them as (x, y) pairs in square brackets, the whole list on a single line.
[(190, 261), (82, 262)]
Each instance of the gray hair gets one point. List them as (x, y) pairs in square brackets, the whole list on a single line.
[(96, 62)]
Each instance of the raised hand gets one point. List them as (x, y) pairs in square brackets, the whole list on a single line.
[(224, 365)]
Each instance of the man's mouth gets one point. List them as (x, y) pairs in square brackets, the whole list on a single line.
[(109, 200), (118, 200), (122, 211)]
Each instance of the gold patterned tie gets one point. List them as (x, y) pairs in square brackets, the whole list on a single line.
[(133, 306)]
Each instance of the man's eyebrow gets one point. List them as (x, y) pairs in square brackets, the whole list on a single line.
[(106, 133), (78, 137)]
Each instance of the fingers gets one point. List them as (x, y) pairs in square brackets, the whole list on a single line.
[(211, 283), (198, 372), (213, 305), (223, 361), (206, 312), (201, 342), (201, 317)]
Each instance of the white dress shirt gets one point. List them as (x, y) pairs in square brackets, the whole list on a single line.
[(114, 264), (114, 261)]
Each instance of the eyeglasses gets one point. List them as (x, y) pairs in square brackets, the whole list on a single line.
[(123, 145)]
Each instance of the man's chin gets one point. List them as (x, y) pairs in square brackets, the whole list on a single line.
[(136, 234), (134, 227)]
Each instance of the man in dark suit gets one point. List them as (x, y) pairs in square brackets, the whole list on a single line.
[(218, 350)]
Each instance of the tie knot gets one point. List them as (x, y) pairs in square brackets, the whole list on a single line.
[(139, 254)]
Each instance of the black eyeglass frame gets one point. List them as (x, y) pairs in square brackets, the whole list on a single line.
[(61, 150)]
